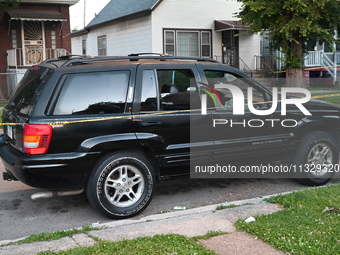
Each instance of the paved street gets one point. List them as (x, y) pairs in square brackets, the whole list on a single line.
[(20, 217)]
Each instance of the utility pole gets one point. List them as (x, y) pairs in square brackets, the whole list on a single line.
[(84, 13)]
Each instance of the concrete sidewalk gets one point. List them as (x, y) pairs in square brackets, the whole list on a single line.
[(192, 222)]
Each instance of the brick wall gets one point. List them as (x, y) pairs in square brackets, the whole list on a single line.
[(62, 30)]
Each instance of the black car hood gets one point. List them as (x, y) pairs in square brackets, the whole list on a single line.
[(319, 105)]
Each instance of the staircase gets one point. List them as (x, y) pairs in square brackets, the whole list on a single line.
[(264, 73), (263, 79)]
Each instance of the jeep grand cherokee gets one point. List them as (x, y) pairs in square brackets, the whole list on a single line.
[(113, 126)]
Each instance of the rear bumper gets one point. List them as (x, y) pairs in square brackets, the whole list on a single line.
[(63, 171)]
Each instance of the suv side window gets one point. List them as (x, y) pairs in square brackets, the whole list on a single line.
[(168, 90), (221, 97), (93, 93)]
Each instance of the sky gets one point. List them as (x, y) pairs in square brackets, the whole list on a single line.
[(77, 12)]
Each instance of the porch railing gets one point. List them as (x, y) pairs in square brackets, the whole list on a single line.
[(244, 67), (337, 58), (328, 61), (15, 57), (314, 58)]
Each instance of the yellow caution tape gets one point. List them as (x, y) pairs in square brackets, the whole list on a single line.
[(146, 115), (312, 68)]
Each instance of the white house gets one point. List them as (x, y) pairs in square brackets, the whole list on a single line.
[(196, 28)]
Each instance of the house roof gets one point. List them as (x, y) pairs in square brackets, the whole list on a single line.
[(34, 15), (68, 2), (117, 9)]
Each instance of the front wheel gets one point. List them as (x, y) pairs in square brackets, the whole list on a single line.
[(316, 158), (121, 185)]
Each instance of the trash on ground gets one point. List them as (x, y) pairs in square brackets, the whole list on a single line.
[(250, 219), (335, 209), (180, 208), (95, 224)]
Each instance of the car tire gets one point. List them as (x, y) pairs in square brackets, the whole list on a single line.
[(121, 185), (316, 158)]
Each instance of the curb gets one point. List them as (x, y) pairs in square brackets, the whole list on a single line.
[(191, 222)]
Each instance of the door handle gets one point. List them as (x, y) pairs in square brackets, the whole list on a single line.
[(151, 124)]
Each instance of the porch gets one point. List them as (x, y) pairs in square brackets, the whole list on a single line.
[(323, 64), (320, 61), (20, 58)]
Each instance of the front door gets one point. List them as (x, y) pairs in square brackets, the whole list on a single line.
[(33, 43), (230, 42)]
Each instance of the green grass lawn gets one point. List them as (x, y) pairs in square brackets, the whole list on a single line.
[(324, 88), (332, 98), (158, 244), (301, 228)]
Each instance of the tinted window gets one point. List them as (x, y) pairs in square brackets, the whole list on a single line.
[(27, 93), (221, 97), (168, 90), (93, 93)]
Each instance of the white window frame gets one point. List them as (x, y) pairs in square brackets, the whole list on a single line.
[(169, 44), (14, 39), (99, 48), (83, 47), (200, 43), (206, 44), (53, 39)]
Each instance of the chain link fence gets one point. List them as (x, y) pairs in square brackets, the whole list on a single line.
[(8, 82), (4, 95)]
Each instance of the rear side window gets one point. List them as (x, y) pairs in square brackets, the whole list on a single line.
[(93, 93), (27, 93)]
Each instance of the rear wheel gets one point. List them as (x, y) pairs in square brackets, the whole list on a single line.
[(121, 185), (316, 158)]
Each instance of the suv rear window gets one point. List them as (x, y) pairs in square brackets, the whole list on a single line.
[(27, 92), (93, 93)]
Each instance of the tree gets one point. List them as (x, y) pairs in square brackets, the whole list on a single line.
[(290, 24), (9, 4)]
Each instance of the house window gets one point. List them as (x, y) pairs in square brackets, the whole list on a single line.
[(102, 45), (206, 44), (83, 47), (14, 39), (187, 43), (170, 42), (53, 40)]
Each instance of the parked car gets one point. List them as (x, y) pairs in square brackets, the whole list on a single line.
[(114, 126)]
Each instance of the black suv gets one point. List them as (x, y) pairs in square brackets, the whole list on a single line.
[(113, 126)]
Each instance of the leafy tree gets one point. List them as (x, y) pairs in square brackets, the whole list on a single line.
[(290, 24), (9, 4)]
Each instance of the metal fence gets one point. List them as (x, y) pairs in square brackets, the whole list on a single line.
[(8, 82)]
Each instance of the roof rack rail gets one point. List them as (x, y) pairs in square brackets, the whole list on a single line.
[(134, 57), (69, 57), (146, 53), (64, 57)]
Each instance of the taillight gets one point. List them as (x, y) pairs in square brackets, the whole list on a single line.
[(37, 138)]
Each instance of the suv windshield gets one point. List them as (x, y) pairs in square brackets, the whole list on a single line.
[(27, 92)]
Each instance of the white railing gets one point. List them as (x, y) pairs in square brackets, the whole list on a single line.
[(15, 57), (328, 61), (314, 58), (337, 58)]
